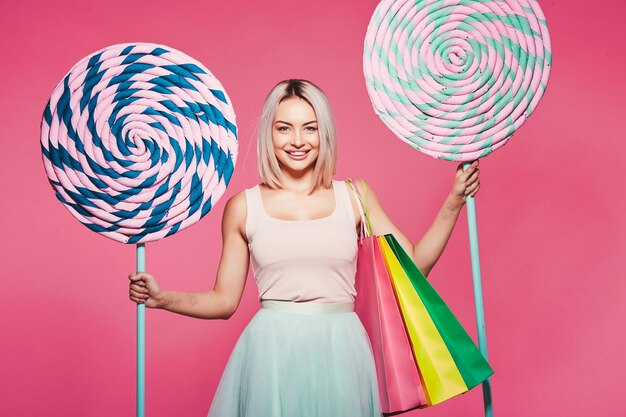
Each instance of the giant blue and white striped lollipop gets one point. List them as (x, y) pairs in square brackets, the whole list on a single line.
[(139, 141)]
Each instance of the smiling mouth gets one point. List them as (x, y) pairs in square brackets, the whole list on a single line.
[(297, 155)]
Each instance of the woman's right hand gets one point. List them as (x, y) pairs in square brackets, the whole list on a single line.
[(144, 289)]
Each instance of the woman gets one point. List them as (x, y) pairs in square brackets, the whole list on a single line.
[(305, 352)]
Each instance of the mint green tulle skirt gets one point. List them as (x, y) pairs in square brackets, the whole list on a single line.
[(300, 360)]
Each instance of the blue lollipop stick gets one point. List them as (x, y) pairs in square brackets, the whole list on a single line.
[(478, 292), (141, 339)]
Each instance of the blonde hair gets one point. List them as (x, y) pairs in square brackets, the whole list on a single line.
[(269, 169)]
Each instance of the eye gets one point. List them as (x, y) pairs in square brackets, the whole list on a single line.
[(282, 128), (311, 128)]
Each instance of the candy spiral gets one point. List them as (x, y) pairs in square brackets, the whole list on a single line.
[(455, 78), (139, 141)]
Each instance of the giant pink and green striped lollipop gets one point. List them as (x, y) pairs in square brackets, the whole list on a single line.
[(139, 142), (455, 79)]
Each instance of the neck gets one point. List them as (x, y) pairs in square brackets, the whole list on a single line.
[(298, 182)]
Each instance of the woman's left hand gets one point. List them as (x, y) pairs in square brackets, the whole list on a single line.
[(465, 183)]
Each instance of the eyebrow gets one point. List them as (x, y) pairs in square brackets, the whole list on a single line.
[(289, 124)]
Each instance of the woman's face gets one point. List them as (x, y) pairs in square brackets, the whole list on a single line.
[(295, 135)]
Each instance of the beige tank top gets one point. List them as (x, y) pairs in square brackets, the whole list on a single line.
[(303, 260)]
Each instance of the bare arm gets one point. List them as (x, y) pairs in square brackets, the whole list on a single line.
[(429, 248), (220, 302)]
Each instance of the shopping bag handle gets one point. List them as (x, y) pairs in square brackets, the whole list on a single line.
[(362, 203)]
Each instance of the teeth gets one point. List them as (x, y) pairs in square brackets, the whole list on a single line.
[(299, 153)]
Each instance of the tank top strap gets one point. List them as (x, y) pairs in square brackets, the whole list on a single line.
[(254, 210), (344, 202)]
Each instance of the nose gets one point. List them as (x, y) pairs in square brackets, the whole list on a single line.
[(297, 139)]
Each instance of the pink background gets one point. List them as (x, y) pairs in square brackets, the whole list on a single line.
[(550, 213)]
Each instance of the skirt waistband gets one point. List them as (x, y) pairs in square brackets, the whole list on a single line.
[(308, 307)]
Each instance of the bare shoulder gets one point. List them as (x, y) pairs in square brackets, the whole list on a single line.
[(237, 202), (366, 192), (365, 188), (235, 212)]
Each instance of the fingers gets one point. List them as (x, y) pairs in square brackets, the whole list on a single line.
[(468, 182), (464, 174), (470, 175), (139, 288), (473, 164), (139, 276), (472, 189), (139, 299), (472, 178), (138, 292), (471, 169)]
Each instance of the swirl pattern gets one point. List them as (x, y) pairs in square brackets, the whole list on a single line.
[(455, 78), (139, 141)]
